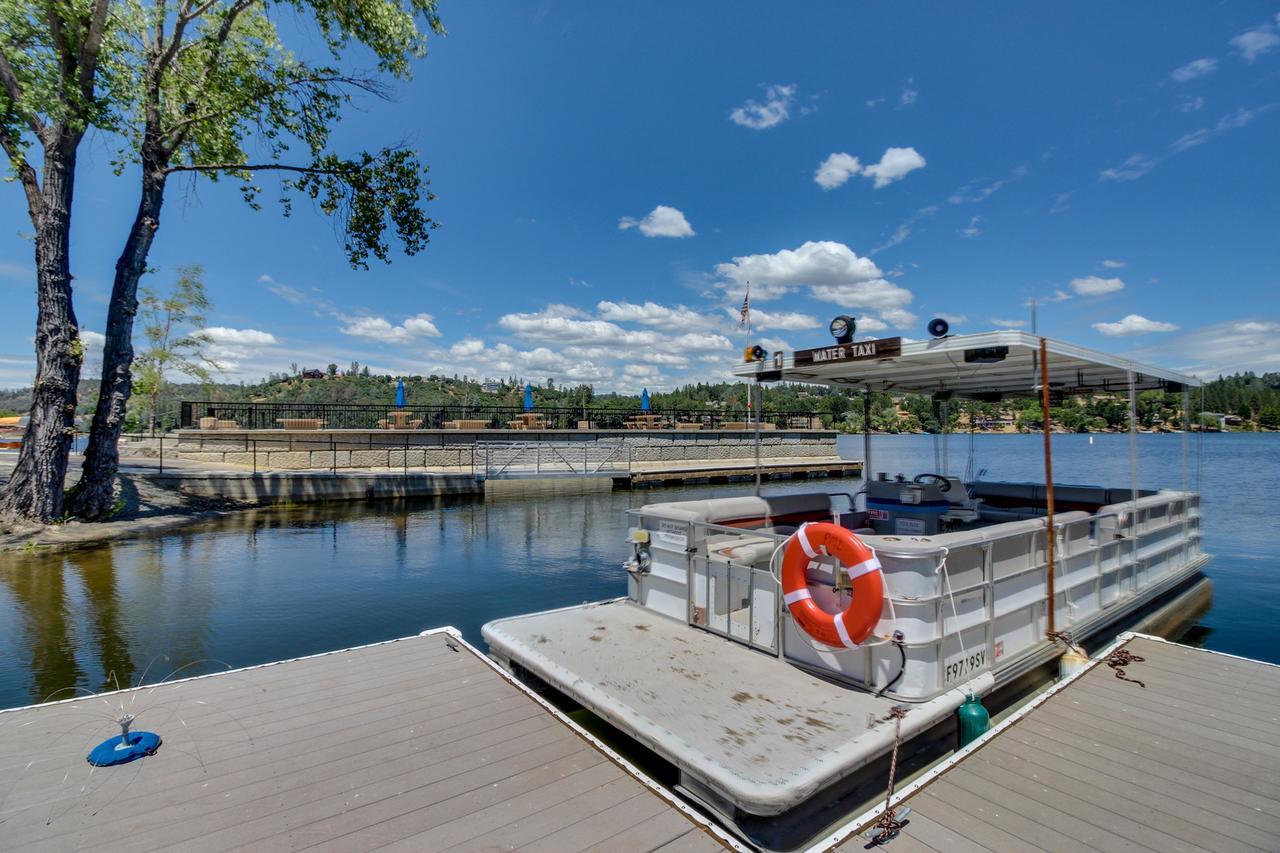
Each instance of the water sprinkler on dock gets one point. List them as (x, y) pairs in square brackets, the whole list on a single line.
[(124, 747)]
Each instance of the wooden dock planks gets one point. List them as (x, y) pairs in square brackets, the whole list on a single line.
[(1190, 762), (401, 745)]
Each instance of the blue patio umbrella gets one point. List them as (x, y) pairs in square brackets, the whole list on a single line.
[(528, 397), (644, 400), (399, 393)]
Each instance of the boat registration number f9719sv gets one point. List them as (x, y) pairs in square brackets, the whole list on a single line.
[(963, 665)]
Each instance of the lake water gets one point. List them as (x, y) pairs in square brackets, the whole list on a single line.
[(280, 583)]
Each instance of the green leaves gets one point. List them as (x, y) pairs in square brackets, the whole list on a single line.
[(368, 193)]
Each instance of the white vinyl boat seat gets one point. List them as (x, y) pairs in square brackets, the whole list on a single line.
[(741, 550), (751, 512)]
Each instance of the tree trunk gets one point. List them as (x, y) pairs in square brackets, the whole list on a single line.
[(95, 493), (35, 490)]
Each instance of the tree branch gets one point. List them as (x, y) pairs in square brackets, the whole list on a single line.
[(175, 133), (60, 42), (88, 60), (26, 172), (224, 32), (249, 167), (13, 89)]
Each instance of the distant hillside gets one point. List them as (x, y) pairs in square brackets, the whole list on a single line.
[(1253, 400)]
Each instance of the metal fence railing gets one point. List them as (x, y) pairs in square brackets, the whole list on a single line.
[(514, 459), (277, 415)]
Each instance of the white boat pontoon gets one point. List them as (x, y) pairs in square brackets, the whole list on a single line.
[(707, 664)]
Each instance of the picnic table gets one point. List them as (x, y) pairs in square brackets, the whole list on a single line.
[(529, 420), (218, 423), (300, 423), (400, 419), (645, 422)]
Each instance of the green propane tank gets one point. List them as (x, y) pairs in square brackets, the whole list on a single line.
[(974, 720)]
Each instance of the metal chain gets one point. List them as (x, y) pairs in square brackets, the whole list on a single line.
[(888, 824), (1121, 658)]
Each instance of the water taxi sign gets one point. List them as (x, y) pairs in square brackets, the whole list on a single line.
[(856, 351)]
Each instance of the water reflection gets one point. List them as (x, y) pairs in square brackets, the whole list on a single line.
[(278, 583), (44, 633), (97, 573)]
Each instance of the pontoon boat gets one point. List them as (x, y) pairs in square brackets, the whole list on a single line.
[(719, 661)]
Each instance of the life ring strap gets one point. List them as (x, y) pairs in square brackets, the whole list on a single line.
[(798, 595), (858, 620)]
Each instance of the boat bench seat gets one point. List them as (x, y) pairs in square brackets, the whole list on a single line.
[(741, 550), (750, 512), (1022, 497)]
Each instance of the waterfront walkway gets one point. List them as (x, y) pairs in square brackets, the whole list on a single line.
[(1188, 762), (415, 744)]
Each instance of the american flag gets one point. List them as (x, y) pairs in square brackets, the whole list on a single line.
[(744, 316)]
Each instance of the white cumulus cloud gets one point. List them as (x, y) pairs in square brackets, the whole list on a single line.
[(784, 320), (421, 326), (1112, 264), (380, 329), (653, 314), (773, 111), (552, 326), (467, 348), (1092, 285), (821, 262), (895, 164), (662, 221), (239, 337), (1193, 69), (92, 340), (1134, 324), (836, 170)]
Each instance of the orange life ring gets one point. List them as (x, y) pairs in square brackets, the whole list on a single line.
[(859, 619)]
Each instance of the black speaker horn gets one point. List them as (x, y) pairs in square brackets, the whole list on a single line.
[(938, 327)]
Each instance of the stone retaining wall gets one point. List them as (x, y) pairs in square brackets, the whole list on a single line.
[(374, 449)]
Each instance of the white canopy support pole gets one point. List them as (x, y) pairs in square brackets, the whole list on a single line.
[(1050, 534), (946, 438), (867, 473), (1133, 463), (1186, 465), (755, 387)]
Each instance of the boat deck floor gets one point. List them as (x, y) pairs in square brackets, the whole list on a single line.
[(758, 731), (415, 744), (1188, 762)]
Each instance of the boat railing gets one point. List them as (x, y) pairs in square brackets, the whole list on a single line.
[(968, 602), (734, 601)]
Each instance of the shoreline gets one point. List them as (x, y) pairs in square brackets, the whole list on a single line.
[(148, 510)]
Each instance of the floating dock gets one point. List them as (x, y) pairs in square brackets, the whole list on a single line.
[(729, 471), (1181, 753), (413, 744)]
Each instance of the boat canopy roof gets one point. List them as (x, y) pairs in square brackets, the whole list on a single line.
[(979, 366)]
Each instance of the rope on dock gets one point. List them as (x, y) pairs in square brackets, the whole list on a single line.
[(888, 824), (1121, 658), (1065, 638)]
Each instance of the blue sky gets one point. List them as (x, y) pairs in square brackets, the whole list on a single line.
[(609, 176)]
